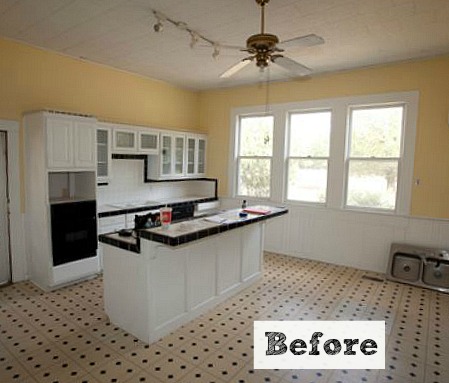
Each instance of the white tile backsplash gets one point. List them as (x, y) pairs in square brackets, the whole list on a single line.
[(126, 185)]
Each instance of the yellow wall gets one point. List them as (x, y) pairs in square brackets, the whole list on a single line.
[(429, 77), (33, 79)]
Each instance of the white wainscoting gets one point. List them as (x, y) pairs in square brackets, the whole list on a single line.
[(348, 238)]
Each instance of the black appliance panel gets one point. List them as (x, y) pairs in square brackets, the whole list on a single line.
[(73, 231), (182, 212)]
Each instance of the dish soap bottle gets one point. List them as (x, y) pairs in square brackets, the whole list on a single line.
[(243, 213)]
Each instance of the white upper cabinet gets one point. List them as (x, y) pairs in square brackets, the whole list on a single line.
[(196, 155), (172, 157), (181, 156), (103, 153), (128, 139), (148, 142), (124, 141), (71, 142)]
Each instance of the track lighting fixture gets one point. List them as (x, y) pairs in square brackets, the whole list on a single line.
[(195, 37), (216, 51), (158, 27), (160, 18)]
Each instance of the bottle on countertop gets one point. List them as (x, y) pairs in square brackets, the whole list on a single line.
[(243, 213)]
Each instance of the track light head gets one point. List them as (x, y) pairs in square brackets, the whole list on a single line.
[(216, 51), (158, 27)]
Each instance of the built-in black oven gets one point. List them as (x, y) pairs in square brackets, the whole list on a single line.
[(73, 231)]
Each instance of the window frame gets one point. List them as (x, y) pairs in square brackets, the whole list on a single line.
[(238, 157), (336, 185), (288, 157), (348, 157)]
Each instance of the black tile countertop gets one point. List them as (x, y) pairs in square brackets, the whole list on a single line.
[(113, 210), (131, 243), (192, 229)]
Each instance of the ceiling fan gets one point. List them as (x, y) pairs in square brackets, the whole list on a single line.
[(265, 48)]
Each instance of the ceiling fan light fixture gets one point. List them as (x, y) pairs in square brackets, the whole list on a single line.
[(263, 49)]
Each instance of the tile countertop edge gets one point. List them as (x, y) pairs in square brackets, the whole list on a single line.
[(122, 244), (217, 229), (118, 211)]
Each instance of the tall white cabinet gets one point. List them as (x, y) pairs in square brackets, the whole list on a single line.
[(60, 168)]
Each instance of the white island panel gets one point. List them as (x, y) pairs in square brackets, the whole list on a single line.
[(229, 264), (152, 293), (167, 283), (202, 274)]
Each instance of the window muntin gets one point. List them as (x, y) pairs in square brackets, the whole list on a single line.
[(374, 155), (308, 156), (254, 158)]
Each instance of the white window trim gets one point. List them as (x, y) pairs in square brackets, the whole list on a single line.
[(348, 158), (337, 152), (287, 157)]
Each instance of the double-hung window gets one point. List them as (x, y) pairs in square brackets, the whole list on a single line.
[(308, 155), (254, 156), (374, 152), (353, 153)]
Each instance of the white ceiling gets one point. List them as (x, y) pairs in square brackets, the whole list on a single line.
[(119, 33)]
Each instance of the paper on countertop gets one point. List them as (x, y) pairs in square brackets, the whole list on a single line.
[(215, 219)]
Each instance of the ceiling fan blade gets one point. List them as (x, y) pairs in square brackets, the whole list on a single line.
[(221, 47), (235, 68), (302, 41), (294, 67)]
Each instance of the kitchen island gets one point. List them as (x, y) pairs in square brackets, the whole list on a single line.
[(170, 275)]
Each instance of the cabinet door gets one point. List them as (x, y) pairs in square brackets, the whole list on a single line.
[(59, 143), (148, 142), (103, 155), (201, 159), (166, 155), (84, 145), (191, 153), (179, 155), (124, 141)]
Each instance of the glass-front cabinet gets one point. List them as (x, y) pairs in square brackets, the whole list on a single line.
[(103, 154), (201, 159), (196, 155), (179, 159), (191, 149), (166, 155), (181, 156), (128, 139), (148, 142), (124, 141), (172, 155)]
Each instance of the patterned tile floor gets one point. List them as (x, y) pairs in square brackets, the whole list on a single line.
[(64, 336)]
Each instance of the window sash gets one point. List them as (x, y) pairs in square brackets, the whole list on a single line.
[(374, 159), (239, 175), (366, 207), (302, 187)]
